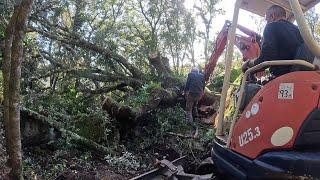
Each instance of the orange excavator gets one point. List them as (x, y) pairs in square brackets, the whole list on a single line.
[(276, 135)]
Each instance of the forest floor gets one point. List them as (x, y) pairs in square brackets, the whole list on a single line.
[(48, 162), (169, 138), (3, 156)]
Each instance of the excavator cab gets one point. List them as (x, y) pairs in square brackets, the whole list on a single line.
[(277, 134)]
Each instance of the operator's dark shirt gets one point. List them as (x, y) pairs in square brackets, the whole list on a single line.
[(281, 41), (195, 83)]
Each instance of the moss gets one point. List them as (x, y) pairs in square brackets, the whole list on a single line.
[(231, 105), (90, 127)]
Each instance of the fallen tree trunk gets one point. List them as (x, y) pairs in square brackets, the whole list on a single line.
[(164, 74), (66, 133), (161, 64), (158, 98)]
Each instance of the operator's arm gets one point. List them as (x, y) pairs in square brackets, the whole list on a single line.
[(269, 50)]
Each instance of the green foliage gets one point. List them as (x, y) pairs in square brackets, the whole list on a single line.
[(209, 135), (142, 96), (1, 39), (28, 170), (93, 126), (171, 120), (207, 10), (57, 167), (160, 129), (63, 144), (2, 30), (30, 167), (217, 82), (80, 113), (156, 128), (230, 110), (75, 102), (129, 33), (312, 18), (1, 85), (127, 161), (182, 75)]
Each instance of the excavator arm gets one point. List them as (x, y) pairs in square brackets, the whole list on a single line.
[(248, 45)]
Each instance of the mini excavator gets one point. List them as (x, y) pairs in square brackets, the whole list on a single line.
[(277, 134)]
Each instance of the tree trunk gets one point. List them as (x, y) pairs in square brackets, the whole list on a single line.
[(6, 78), (164, 73), (12, 73)]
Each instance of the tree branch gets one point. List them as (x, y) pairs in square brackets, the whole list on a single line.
[(103, 90), (145, 15), (75, 137), (77, 41)]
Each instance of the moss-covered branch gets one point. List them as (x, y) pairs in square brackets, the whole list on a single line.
[(66, 133)]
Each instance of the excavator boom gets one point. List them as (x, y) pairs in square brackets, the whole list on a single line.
[(248, 45)]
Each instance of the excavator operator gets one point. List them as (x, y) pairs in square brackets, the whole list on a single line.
[(281, 41)]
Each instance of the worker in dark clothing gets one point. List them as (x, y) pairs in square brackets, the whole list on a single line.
[(193, 90), (281, 41)]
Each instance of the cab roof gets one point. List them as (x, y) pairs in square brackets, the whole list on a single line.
[(260, 6)]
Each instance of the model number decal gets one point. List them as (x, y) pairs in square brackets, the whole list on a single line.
[(286, 91), (248, 136)]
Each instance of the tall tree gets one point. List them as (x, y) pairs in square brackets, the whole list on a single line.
[(152, 12), (13, 53), (192, 34), (207, 11), (177, 33), (312, 18)]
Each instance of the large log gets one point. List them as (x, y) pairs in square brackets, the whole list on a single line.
[(130, 117), (160, 63), (164, 73), (43, 121)]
